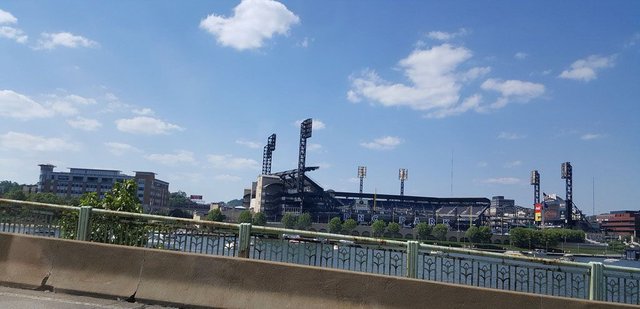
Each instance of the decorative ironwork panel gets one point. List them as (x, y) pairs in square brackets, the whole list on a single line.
[(622, 286)]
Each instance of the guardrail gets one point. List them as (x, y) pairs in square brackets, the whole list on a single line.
[(594, 281)]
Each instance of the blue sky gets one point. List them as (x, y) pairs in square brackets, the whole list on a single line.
[(192, 90)]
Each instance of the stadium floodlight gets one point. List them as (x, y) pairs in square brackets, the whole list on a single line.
[(403, 174), (566, 170), (271, 141), (362, 172), (535, 178), (305, 128)]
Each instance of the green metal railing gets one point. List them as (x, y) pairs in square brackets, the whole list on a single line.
[(411, 259)]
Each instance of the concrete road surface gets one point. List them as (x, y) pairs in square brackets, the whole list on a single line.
[(11, 298)]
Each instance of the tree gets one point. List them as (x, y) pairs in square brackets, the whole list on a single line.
[(485, 234), (260, 219), (440, 231), (335, 225), (49, 198), (15, 195), (472, 234), (378, 227), (245, 217), (216, 215), (304, 221), (289, 220), (393, 228), (180, 213), (349, 225), (8, 186), (179, 199), (423, 230), (234, 203)]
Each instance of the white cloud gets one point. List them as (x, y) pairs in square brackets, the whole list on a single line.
[(305, 42), (446, 36), (120, 149), (249, 144), (143, 111), (227, 177), (28, 143), (253, 22), (513, 164), (591, 136), (19, 106), (383, 143), (316, 124), (313, 147), (521, 55), (482, 164), (585, 69), (510, 136), (178, 157), (13, 34), (503, 181), (84, 123), (231, 162), (512, 90), (7, 18), (67, 105), (64, 39), (472, 102), (146, 125), (435, 82)]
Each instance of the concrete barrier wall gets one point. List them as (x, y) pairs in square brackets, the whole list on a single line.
[(212, 281)]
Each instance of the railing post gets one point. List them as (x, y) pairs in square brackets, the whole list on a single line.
[(596, 281), (84, 215), (412, 258), (244, 241)]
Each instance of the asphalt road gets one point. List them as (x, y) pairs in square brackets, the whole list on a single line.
[(11, 298)]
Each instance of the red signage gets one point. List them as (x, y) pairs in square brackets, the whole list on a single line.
[(196, 197)]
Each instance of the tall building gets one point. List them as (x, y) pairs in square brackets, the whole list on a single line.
[(622, 222), (153, 193)]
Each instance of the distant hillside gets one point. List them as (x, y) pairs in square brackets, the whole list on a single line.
[(234, 203)]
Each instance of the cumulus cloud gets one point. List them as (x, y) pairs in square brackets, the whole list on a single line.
[(253, 22), (586, 69), (316, 124), (84, 123), (67, 105), (591, 136), (7, 18), (446, 36), (434, 82), (510, 90), (146, 125), (179, 157), (383, 143), (63, 39), (227, 177), (120, 149), (249, 144), (13, 34), (19, 106), (28, 143), (510, 136), (231, 162), (502, 181), (313, 147)]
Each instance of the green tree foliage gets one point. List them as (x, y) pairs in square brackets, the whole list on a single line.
[(179, 200), (349, 225), (423, 230), (8, 186), (393, 228), (485, 234), (378, 228), (335, 225), (216, 215), (15, 195), (532, 238), (440, 231), (479, 234), (289, 220), (260, 219), (245, 217), (472, 234), (304, 221)]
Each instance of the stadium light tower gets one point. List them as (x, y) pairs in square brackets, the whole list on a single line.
[(362, 173), (567, 175), (403, 174), (267, 154), (537, 207), (306, 128)]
